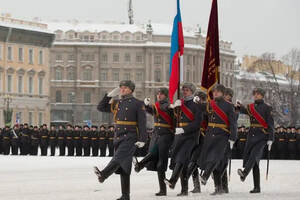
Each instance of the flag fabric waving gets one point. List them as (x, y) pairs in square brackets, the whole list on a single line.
[(177, 46), (210, 75)]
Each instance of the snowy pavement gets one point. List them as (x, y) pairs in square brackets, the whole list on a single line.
[(72, 178)]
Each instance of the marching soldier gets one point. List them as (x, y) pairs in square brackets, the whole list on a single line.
[(292, 145), (25, 140), (15, 140), (261, 133), (161, 140), (102, 141), (61, 141), (44, 137), (95, 141), (130, 120), (86, 140), (77, 140), (282, 143), (241, 143), (189, 117), (6, 132), (69, 140), (220, 135), (110, 140), (53, 140), (35, 140)]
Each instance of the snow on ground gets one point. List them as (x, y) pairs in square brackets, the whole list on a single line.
[(72, 178)]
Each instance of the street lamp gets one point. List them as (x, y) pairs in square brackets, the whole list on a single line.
[(7, 110), (73, 107)]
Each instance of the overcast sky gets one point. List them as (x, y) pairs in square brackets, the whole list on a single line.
[(254, 26)]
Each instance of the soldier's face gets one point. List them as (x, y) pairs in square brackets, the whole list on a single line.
[(228, 97), (217, 93), (160, 96), (187, 92), (124, 90), (257, 96)]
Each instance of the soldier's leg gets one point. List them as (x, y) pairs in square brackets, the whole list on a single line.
[(184, 183), (125, 186), (162, 186), (225, 182), (217, 182), (175, 175), (256, 179), (141, 164), (196, 182), (110, 168), (209, 168)]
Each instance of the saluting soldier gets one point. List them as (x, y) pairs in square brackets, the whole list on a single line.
[(95, 141), (130, 120), (110, 140), (220, 135), (6, 132), (102, 141), (261, 133), (189, 117), (161, 140), (44, 137), (86, 140), (77, 140), (53, 140), (70, 140), (61, 140)]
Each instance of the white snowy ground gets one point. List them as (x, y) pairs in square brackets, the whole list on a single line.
[(72, 178)]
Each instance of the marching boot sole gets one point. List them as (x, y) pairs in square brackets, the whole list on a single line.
[(98, 174), (241, 174), (168, 183)]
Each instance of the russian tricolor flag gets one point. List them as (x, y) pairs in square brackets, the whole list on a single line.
[(176, 55)]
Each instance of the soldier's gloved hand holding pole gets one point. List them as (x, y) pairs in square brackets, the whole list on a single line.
[(269, 143), (177, 103), (179, 131), (231, 143), (114, 92), (196, 99), (147, 101), (140, 144)]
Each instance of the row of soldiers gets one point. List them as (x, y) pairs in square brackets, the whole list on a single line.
[(286, 144), (79, 141), (199, 131)]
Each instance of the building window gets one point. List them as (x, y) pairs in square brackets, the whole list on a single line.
[(87, 74), (167, 75), (103, 76), (40, 118), (9, 83), (104, 58), (87, 97), (138, 95), (189, 60), (116, 76), (20, 84), (71, 57), (139, 58), (19, 118), (41, 57), (40, 86), (157, 60), (116, 57), (86, 115), (127, 57), (71, 74), (188, 75), (58, 98), (71, 97), (157, 75), (30, 85), (0, 52), (30, 118), (58, 115), (194, 60), (139, 76), (87, 57), (126, 76), (21, 54), (58, 57), (30, 54), (58, 74), (9, 53)]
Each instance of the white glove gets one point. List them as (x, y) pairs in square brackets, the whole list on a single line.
[(231, 143), (179, 131), (140, 144), (114, 92), (269, 143), (176, 104), (147, 101), (196, 99)]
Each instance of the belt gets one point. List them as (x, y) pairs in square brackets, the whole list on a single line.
[(77, 138), (25, 135), (224, 127), (111, 138), (281, 140), (85, 138), (60, 138), (52, 137), (256, 125), (35, 138), (44, 136), (126, 123), (183, 124), (69, 138), (162, 125), (292, 140), (94, 138), (102, 138), (243, 140), (6, 138)]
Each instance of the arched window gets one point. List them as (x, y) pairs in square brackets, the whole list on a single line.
[(87, 74), (157, 75), (71, 73), (58, 73)]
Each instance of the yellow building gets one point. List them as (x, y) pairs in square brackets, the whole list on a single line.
[(24, 70)]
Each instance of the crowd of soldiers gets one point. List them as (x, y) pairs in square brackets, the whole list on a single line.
[(286, 144), (23, 139)]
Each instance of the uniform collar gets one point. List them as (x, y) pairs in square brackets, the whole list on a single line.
[(188, 98), (127, 96), (259, 101)]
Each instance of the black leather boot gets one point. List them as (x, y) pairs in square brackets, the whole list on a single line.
[(175, 176), (225, 182), (125, 186), (218, 183), (197, 187), (243, 174), (207, 172), (256, 179), (162, 185), (107, 171), (184, 184), (140, 165)]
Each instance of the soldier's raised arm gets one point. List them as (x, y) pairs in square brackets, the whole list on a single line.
[(105, 105)]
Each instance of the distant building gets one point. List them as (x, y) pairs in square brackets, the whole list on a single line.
[(24, 69), (88, 60)]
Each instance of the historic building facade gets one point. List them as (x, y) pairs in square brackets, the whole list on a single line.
[(24, 70), (88, 60)]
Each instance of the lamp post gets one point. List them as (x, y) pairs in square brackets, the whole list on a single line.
[(7, 110)]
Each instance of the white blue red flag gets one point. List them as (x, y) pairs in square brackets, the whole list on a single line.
[(176, 55)]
